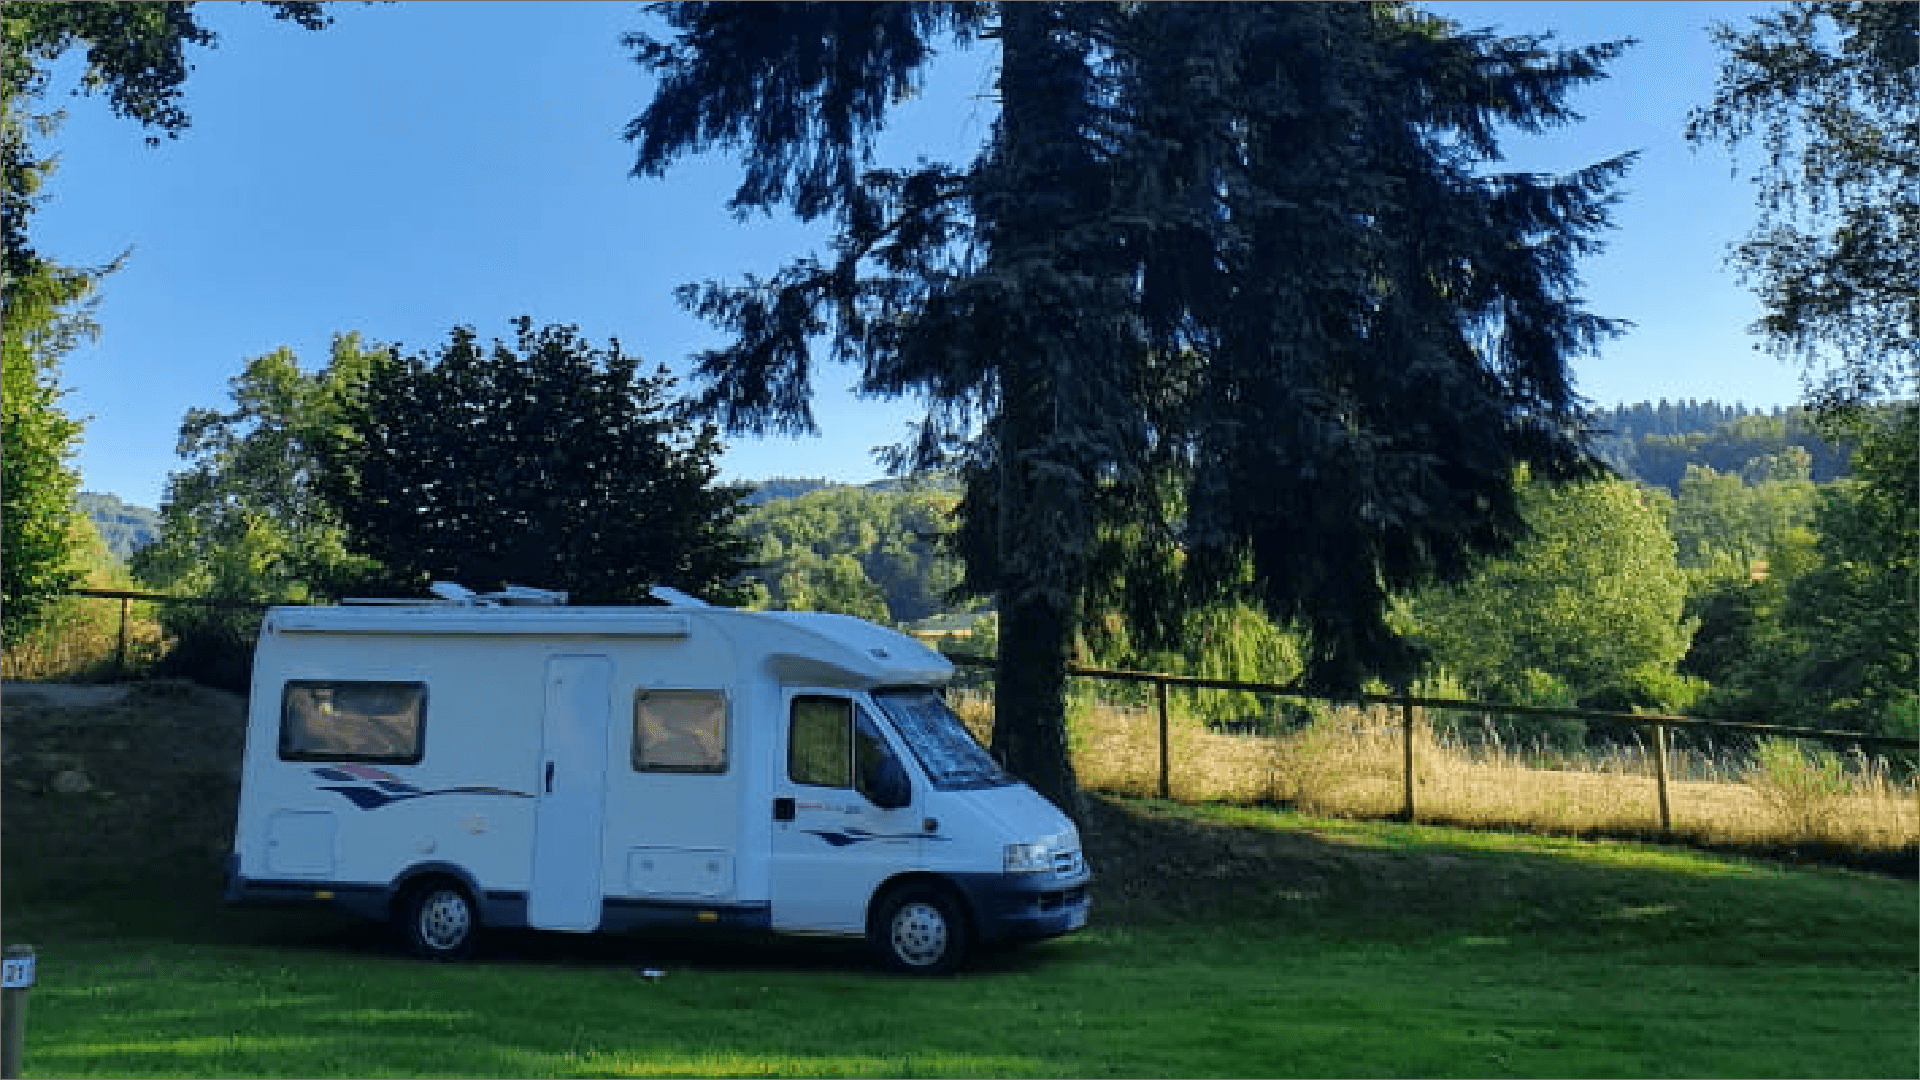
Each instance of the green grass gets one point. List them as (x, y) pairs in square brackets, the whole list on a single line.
[(1225, 943)]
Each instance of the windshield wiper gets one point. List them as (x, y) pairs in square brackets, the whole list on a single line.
[(972, 774)]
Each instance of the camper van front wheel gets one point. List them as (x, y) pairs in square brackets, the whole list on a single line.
[(920, 929), (440, 920)]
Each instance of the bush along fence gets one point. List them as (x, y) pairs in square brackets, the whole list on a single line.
[(1408, 704), (204, 639), (126, 598)]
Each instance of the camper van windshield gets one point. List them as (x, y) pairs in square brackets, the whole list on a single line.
[(947, 751)]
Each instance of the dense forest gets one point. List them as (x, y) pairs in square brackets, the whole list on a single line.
[(1656, 443), (873, 551)]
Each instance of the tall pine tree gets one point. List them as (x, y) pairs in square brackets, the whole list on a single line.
[(1236, 275)]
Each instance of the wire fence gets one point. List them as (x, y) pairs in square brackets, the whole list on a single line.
[(1420, 757), (1406, 755)]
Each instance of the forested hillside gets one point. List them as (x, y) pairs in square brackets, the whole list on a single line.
[(124, 527), (872, 551), (1656, 443)]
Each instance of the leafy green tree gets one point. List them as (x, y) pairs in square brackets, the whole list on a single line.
[(39, 542), (838, 583), (1829, 91), (1588, 610), (1829, 640), (248, 520), (1858, 611), (1722, 521), (44, 311), (246, 523), (546, 462), (1253, 246)]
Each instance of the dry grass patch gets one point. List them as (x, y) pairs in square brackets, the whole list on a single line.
[(1351, 764)]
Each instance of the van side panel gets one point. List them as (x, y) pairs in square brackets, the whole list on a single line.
[(673, 830), (468, 802)]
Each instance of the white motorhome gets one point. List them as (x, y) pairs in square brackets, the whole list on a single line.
[(506, 760)]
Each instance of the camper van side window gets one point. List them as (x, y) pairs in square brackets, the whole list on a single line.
[(680, 731), (820, 742), (352, 721)]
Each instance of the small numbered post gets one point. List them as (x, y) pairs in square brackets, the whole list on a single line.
[(19, 971)]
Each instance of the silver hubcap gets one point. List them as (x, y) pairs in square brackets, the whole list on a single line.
[(919, 934), (444, 920)]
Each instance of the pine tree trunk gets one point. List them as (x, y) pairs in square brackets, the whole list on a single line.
[(1043, 518), (1030, 726)]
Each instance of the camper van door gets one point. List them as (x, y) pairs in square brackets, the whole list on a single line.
[(565, 891), (833, 843)]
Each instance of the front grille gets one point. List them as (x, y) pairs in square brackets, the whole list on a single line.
[(1067, 898)]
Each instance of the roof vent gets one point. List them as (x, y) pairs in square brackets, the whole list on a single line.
[(527, 596), (452, 593), (511, 596), (675, 597)]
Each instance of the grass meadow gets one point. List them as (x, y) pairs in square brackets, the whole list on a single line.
[(1269, 920), (1225, 942)]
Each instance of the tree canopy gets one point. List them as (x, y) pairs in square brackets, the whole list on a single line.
[(1828, 636), (1830, 92), (1588, 610), (247, 520), (1258, 251), (547, 461), (874, 551)]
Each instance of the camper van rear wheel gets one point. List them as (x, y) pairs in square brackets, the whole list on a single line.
[(440, 920), (920, 929)]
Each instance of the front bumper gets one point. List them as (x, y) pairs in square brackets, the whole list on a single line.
[(1027, 907)]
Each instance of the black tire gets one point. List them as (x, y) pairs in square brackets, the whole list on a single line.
[(920, 928), (439, 920)]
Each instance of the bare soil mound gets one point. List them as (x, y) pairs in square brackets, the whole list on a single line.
[(104, 783)]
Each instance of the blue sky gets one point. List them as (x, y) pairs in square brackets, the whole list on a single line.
[(418, 166)]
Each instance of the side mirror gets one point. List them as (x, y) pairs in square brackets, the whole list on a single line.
[(886, 785)]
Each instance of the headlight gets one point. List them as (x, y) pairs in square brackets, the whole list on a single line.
[(1029, 858)]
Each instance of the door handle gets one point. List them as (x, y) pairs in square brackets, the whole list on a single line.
[(549, 777), (783, 809)]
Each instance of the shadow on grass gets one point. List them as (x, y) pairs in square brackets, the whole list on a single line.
[(1156, 865)]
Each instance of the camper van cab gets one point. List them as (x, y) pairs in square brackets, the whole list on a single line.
[(506, 760)]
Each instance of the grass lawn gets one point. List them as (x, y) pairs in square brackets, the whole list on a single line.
[(1224, 943)]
